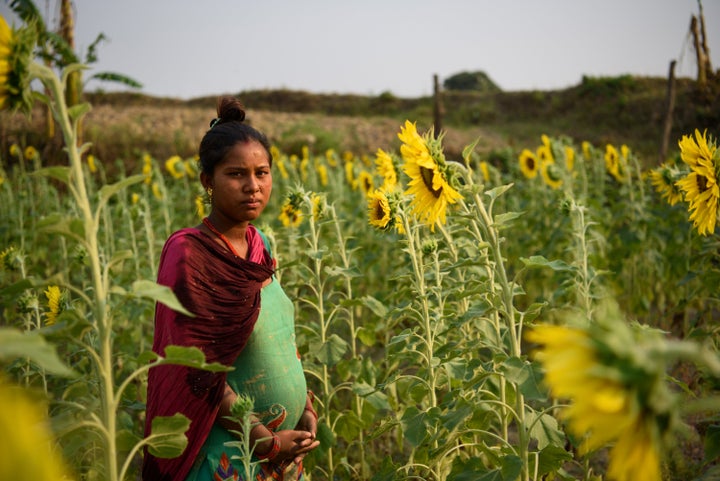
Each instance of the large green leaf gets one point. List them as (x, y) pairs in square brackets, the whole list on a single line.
[(107, 191), (57, 172), (526, 376), (15, 344), (414, 426), (159, 293), (183, 356), (332, 350), (70, 227), (167, 436), (546, 430), (551, 459)]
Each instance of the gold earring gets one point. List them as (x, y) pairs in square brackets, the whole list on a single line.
[(209, 193)]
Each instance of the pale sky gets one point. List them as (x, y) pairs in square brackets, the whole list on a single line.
[(187, 49)]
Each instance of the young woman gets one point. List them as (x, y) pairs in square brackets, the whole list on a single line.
[(222, 272)]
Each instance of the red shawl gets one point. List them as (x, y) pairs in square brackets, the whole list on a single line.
[(223, 291)]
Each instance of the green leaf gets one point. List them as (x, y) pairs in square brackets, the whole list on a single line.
[(58, 172), (117, 78), (366, 336), (159, 293), (107, 191), (468, 150), (332, 350), (167, 436), (325, 436), (527, 376), (458, 414), (511, 467), (15, 344), (413, 423), (191, 357), (70, 227), (545, 429), (498, 191), (540, 261), (77, 111), (504, 220), (377, 307), (712, 442), (551, 458)]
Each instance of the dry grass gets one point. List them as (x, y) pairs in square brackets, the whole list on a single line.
[(126, 132)]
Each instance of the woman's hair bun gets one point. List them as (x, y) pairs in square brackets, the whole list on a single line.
[(230, 109)]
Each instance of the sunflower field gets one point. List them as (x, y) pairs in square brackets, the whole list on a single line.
[(550, 314)]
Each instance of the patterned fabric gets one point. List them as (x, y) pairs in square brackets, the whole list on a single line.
[(223, 291), (225, 470), (269, 371)]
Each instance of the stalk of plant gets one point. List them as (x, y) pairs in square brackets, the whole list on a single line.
[(346, 267), (486, 227), (167, 432), (327, 342)]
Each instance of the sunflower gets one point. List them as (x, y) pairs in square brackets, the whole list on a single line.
[(386, 169), (612, 162), (693, 152), (175, 166), (551, 174), (610, 375), (147, 168), (290, 212), (379, 210), (700, 186), (27, 435), (280, 162), (485, 171), (664, 180), (200, 206), (92, 166), (365, 181), (157, 191), (322, 174), (31, 153), (529, 164), (16, 48), (429, 183), (317, 206), (350, 172), (331, 157), (53, 297), (702, 192), (569, 158)]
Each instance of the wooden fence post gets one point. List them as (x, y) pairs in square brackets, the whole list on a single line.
[(670, 106), (438, 109)]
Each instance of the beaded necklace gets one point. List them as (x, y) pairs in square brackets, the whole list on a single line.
[(209, 225)]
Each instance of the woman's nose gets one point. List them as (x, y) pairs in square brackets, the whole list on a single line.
[(252, 184)]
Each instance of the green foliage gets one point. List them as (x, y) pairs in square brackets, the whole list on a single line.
[(471, 81)]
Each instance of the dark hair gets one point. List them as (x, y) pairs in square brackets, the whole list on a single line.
[(225, 131)]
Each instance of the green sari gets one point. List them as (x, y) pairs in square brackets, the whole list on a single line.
[(269, 371)]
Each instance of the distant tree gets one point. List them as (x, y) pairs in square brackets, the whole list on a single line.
[(474, 81)]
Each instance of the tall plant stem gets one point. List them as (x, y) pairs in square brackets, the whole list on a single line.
[(102, 323)]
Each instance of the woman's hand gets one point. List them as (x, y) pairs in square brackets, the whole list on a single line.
[(295, 444), (308, 422)]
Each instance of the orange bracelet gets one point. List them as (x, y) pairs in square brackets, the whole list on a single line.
[(313, 412), (309, 405), (274, 450)]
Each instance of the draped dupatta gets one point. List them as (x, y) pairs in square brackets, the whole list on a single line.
[(223, 291)]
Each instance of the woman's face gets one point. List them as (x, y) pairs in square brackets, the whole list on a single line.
[(242, 183)]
